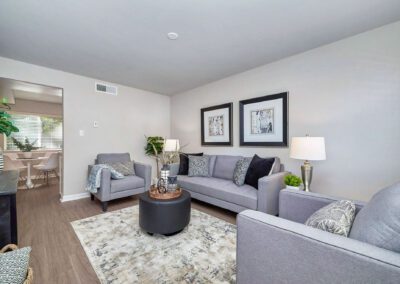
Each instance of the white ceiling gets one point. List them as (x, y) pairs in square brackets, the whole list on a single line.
[(29, 91), (125, 41)]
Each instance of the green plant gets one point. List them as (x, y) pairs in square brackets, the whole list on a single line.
[(154, 147), (293, 180), (25, 146), (6, 125)]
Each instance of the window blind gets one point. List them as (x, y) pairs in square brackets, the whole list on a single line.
[(47, 131)]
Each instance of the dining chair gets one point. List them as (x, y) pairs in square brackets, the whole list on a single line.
[(47, 166), (11, 163)]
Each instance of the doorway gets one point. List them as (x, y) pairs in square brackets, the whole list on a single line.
[(36, 147)]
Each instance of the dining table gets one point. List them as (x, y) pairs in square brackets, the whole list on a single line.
[(28, 162)]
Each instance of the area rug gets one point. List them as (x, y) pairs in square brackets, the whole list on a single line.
[(120, 252)]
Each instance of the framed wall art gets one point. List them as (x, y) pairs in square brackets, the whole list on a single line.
[(264, 121), (216, 125)]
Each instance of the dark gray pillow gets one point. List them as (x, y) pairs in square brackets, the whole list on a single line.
[(378, 222), (125, 168), (239, 174), (335, 218), (199, 166)]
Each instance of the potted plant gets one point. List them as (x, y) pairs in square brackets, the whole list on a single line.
[(293, 182), (26, 147), (6, 127), (154, 148)]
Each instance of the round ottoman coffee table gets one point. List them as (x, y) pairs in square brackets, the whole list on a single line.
[(165, 217)]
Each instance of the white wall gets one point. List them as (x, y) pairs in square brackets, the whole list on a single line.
[(348, 92), (123, 120)]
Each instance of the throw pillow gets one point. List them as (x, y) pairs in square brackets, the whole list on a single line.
[(378, 222), (239, 174), (125, 168), (258, 168), (14, 265), (115, 174), (184, 162), (335, 218), (199, 166)]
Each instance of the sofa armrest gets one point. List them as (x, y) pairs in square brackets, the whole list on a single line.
[(299, 205), (268, 192), (104, 192), (275, 250), (144, 171)]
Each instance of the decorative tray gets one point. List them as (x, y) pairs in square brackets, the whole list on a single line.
[(155, 194)]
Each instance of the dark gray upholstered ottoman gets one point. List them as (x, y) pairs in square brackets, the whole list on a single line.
[(165, 217)]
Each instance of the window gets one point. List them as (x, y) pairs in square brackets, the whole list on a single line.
[(46, 130)]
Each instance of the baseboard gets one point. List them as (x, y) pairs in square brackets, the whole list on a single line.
[(70, 197)]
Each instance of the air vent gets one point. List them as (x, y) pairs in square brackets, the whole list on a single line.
[(106, 89)]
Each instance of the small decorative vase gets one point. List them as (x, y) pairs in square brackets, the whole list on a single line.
[(292, 187), (27, 155), (164, 173)]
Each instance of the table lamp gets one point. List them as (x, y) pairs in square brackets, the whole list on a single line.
[(308, 149), (171, 145)]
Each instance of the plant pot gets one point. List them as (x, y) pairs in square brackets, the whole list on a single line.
[(292, 187), (27, 155)]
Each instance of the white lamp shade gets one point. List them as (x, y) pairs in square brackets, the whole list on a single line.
[(171, 145), (308, 148)]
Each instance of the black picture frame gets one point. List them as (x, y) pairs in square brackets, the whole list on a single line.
[(203, 111), (284, 141)]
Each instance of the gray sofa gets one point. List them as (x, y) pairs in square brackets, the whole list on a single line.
[(111, 189), (220, 190), (283, 250)]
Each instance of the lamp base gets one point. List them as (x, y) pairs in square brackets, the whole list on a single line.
[(306, 175)]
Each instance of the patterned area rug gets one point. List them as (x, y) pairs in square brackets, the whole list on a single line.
[(120, 252)]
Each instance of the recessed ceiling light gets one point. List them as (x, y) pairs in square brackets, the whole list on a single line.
[(172, 36)]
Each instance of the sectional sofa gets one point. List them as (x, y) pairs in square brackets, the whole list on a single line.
[(220, 190), (282, 249)]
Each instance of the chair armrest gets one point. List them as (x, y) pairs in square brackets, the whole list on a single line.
[(268, 192), (275, 250), (299, 205), (144, 171)]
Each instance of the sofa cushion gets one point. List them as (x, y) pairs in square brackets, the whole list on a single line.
[(184, 162), (222, 189), (129, 182), (276, 167), (378, 222), (258, 168), (125, 168), (112, 158), (240, 171), (335, 218), (225, 166), (213, 158), (198, 166), (14, 265)]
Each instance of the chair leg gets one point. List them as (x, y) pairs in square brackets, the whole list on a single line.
[(92, 196), (104, 206)]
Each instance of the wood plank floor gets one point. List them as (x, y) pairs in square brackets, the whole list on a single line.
[(44, 224)]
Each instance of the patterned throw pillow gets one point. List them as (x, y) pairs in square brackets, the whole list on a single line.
[(14, 265), (239, 174), (336, 218), (198, 166), (125, 168)]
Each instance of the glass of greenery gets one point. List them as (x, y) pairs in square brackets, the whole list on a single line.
[(293, 182)]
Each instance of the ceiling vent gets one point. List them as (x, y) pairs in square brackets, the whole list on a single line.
[(106, 89)]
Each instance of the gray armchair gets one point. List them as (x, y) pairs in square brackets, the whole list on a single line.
[(282, 250), (111, 189)]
